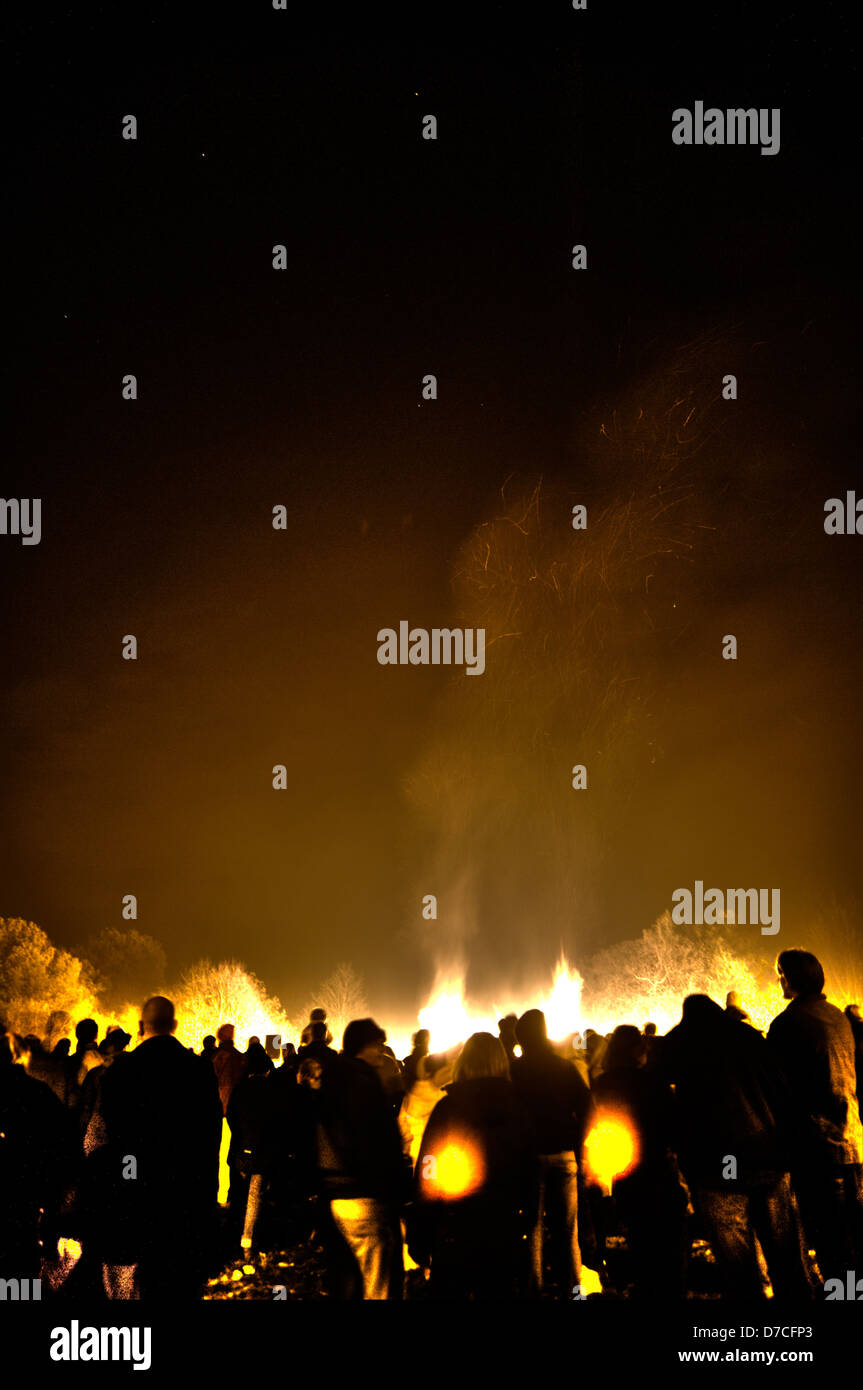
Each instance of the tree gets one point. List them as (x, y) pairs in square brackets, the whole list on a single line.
[(38, 979), (648, 979), (212, 994), (343, 996), (126, 965)]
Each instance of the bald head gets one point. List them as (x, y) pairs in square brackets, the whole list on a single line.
[(157, 1017)]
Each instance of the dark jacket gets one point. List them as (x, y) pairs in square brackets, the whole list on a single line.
[(729, 1099), (37, 1160), (484, 1120), (359, 1146), (161, 1106), (814, 1045), (252, 1121), (556, 1098)]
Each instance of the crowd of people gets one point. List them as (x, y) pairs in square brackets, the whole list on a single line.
[(492, 1171)]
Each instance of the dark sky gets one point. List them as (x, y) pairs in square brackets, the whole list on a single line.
[(406, 257)]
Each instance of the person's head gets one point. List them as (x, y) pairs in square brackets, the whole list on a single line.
[(310, 1073), (318, 1031), (531, 1031), (209, 1043), (254, 1039), (257, 1063), (225, 1034), (157, 1018), (800, 974), (700, 1011), (650, 1030), (482, 1055), (364, 1041), (114, 1042), (421, 1041), (61, 1048), (318, 1016), (289, 1051), (626, 1048), (853, 1011), (436, 1067), (87, 1031)]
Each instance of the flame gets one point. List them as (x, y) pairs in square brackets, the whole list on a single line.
[(448, 1018), (612, 1148), (562, 1007)]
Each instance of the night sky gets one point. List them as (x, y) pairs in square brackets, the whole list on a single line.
[(303, 388)]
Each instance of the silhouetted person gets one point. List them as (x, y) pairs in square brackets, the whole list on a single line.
[(506, 1033), (475, 1176), (52, 1068), (734, 1010), (61, 1048), (852, 1013), (209, 1047), (559, 1104), (814, 1044), (316, 1016), (227, 1064), (361, 1166), (419, 1049), (731, 1113), (86, 1053), (89, 1114), (434, 1073), (161, 1108), (650, 1197), (652, 1045), (318, 1045), (255, 1059), (252, 1121), (594, 1046), (36, 1162)]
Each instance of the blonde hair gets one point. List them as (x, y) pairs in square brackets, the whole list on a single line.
[(482, 1055)]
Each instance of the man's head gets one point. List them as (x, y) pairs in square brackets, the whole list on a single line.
[(421, 1041), (209, 1042), (87, 1031), (157, 1017), (226, 1033), (114, 1042), (318, 1031), (364, 1040), (650, 1030), (531, 1031), (800, 974)]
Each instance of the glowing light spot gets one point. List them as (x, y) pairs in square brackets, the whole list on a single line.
[(611, 1149), (68, 1249), (457, 1171)]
